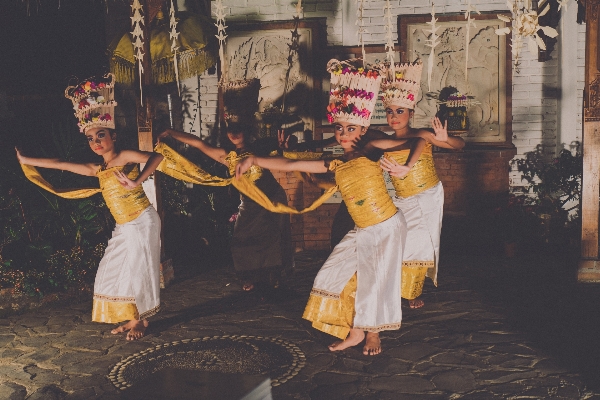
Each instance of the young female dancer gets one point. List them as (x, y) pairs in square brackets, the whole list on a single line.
[(127, 285), (357, 289), (419, 192), (261, 246)]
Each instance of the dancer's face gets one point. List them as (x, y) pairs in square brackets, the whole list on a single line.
[(398, 117), (101, 140), (346, 133), (236, 137)]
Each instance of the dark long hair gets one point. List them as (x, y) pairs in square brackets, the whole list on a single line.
[(224, 141)]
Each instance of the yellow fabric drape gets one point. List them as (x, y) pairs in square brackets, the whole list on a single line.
[(178, 167), (422, 175), (125, 205), (413, 279), (34, 176), (333, 316), (300, 155), (111, 312)]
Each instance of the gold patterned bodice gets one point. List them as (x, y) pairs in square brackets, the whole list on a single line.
[(422, 175), (362, 186), (254, 173), (124, 204)]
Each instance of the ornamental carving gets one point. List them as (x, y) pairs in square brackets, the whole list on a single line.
[(592, 112)]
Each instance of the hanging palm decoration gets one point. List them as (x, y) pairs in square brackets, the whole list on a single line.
[(432, 42), (137, 20)]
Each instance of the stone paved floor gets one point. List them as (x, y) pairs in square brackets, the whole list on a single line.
[(493, 329)]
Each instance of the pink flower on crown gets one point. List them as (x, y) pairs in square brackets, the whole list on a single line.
[(410, 96)]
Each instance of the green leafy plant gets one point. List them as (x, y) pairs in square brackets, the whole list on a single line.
[(49, 244), (554, 186)]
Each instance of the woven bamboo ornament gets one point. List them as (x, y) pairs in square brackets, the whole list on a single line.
[(470, 8), (173, 35), (221, 36), (360, 21), (94, 102), (432, 42), (389, 34), (525, 24), (401, 84), (353, 92), (137, 20)]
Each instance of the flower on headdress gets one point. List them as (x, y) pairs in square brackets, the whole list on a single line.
[(399, 75), (410, 96)]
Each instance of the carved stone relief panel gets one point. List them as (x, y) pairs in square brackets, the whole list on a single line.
[(486, 78), (263, 54)]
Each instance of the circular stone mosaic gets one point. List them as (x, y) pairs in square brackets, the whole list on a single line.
[(226, 354)]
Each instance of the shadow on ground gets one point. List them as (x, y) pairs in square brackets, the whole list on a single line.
[(539, 293)]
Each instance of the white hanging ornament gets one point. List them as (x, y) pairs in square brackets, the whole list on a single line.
[(361, 29), (389, 37), (221, 36), (173, 35), (470, 23), (137, 20), (432, 42)]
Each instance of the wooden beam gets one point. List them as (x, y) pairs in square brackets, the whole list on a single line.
[(589, 265)]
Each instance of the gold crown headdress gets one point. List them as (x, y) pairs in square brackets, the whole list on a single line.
[(353, 92), (401, 85), (94, 102), (240, 100)]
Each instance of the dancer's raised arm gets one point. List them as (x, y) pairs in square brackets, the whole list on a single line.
[(216, 153), (440, 137), (88, 169), (280, 164)]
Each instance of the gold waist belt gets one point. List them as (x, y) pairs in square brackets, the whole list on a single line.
[(421, 177)]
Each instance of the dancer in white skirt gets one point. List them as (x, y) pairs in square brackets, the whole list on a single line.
[(358, 288), (127, 286), (419, 192)]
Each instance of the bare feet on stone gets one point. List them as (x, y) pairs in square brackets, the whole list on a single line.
[(135, 329), (372, 345), (416, 303), (354, 337)]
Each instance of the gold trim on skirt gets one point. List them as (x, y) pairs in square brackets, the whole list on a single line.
[(333, 316), (111, 312)]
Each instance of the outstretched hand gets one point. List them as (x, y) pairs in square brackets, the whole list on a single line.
[(125, 181), (243, 166), (20, 156), (441, 131), (393, 168)]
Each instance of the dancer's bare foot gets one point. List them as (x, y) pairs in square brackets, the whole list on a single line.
[(135, 329), (354, 337), (248, 287), (416, 303), (372, 345)]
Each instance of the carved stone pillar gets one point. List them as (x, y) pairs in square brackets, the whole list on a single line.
[(589, 264)]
